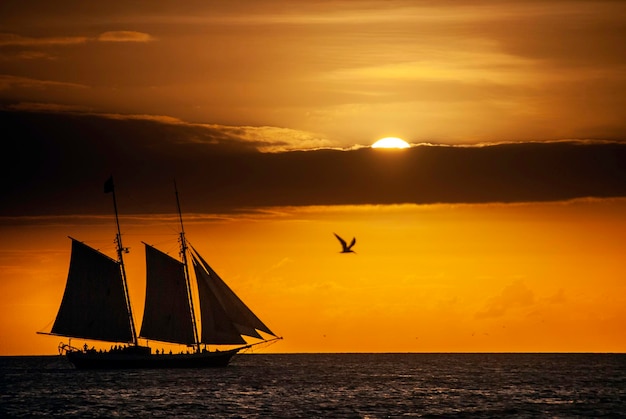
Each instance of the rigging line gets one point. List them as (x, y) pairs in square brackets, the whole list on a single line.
[(120, 252), (168, 247), (183, 253), (47, 326), (265, 342)]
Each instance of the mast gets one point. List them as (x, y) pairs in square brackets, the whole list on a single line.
[(109, 187), (183, 254)]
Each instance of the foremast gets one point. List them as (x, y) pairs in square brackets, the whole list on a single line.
[(183, 255), (109, 187)]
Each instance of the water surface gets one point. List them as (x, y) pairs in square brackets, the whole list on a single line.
[(326, 385)]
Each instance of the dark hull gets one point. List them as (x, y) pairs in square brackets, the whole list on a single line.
[(95, 360)]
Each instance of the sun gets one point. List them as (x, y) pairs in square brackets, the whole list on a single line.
[(391, 142)]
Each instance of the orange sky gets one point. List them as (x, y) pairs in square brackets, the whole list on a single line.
[(489, 277), (328, 73), (273, 105)]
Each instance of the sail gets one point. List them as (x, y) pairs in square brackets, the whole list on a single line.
[(217, 327), (167, 314), (94, 303), (246, 322)]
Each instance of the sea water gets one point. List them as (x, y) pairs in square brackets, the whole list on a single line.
[(326, 386)]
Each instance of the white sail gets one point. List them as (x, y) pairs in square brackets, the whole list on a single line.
[(246, 322), (167, 313), (94, 302)]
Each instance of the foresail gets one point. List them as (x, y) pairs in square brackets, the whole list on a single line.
[(217, 327), (167, 314), (94, 303), (246, 322)]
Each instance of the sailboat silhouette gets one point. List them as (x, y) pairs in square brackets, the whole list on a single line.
[(96, 306)]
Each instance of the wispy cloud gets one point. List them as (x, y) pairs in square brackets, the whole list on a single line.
[(513, 296), (27, 55), (124, 36), (455, 71), (281, 263), (8, 81), (143, 117), (275, 139), (266, 139), (11, 39)]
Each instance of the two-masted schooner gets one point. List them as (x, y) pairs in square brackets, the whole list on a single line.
[(96, 306)]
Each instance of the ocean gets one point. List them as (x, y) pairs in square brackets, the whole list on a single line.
[(326, 386)]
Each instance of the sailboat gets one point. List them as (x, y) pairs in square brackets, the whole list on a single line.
[(96, 306)]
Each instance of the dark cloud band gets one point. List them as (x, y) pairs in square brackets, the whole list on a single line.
[(56, 164)]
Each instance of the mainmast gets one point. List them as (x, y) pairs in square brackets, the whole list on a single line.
[(183, 254), (109, 187)]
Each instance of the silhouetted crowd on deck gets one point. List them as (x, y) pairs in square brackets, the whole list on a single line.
[(122, 348)]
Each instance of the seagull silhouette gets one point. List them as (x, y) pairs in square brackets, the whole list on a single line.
[(344, 245)]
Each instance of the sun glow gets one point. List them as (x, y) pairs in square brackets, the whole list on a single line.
[(391, 142)]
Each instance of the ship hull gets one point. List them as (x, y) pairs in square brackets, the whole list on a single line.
[(95, 360)]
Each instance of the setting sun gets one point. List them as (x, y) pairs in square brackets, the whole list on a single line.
[(391, 142)]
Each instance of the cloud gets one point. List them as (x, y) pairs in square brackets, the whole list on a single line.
[(8, 82), (45, 107), (124, 36), (461, 70), (265, 139), (11, 39), (52, 160), (514, 296), (156, 118), (15, 47), (558, 298), (290, 139), (281, 263), (27, 55)]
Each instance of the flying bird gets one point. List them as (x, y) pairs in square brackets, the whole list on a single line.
[(345, 247)]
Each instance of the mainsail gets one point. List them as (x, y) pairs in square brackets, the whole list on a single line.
[(94, 302), (167, 313)]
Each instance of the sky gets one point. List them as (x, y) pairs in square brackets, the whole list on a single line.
[(500, 229), (334, 72)]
